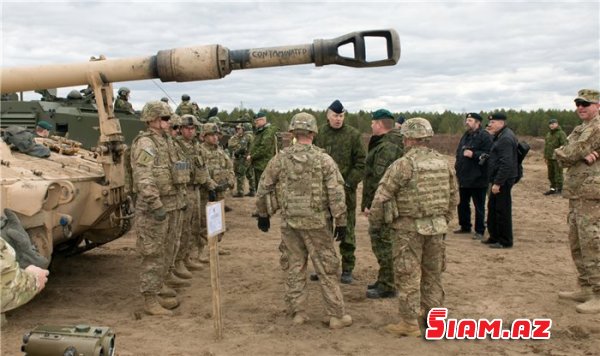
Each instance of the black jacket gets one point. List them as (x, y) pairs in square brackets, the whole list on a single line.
[(469, 172), (503, 164)]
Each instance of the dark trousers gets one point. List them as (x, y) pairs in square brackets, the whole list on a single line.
[(464, 209), (499, 219)]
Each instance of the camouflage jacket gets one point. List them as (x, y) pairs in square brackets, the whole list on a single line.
[(196, 155), (554, 139), (264, 146), (345, 146), (152, 161), (18, 287), (239, 146), (123, 105), (305, 183), (220, 166), (383, 151), (184, 108), (416, 193), (581, 181)]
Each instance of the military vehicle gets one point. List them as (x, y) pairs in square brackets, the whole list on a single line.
[(75, 199)]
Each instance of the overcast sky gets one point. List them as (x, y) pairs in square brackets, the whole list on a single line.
[(457, 56)]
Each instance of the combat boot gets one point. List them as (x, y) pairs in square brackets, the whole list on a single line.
[(193, 265), (203, 256), (346, 277), (404, 328), (153, 307), (238, 195), (592, 306), (167, 291), (180, 270), (338, 323), (300, 318), (168, 302), (176, 282), (582, 295)]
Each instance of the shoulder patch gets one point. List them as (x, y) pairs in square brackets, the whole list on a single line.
[(146, 157)]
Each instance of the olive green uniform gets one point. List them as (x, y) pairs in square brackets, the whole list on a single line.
[(345, 146), (554, 139), (239, 146), (383, 151), (263, 148)]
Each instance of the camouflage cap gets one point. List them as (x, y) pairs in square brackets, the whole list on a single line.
[(588, 95), (153, 110), (45, 125), (303, 121), (417, 127), (210, 128), (189, 120), (382, 114)]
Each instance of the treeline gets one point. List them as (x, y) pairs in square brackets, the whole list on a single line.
[(526, 123)]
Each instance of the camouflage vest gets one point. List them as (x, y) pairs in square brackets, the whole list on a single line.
[(185, 108), (583, 181), (303, 202), (428, 192), (216, 162), (191, 152)]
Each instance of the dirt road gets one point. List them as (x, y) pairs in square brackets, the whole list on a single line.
[(101, 288)]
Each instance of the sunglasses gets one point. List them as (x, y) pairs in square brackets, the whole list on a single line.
[(165, 118), (584, 104), (175, 127)]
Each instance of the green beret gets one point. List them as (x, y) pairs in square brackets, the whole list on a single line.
[(259, 115), (552, 121), (45, 125), (382, 114)]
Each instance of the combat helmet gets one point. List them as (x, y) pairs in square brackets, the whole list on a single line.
[(74, 94), (247, 126), (175, 121), (164, 99), (416, 127), (189, 120), (210, 128), (123, 91), (304, 121), (214, 120), (185, 97), (154, 109)]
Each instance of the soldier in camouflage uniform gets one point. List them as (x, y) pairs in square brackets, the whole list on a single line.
[(264, 146), (307, 185), (186, 107), (555, 138), (416, 196), (249, 171), (122, 101), (158, 179), (220, 166), (239, 145), (200, 182), (385, 147), (582, 187), (344, 144), (18, 285)]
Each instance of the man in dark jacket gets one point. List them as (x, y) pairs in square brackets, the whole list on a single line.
[(471, 171), (555, 138), (503, 171)]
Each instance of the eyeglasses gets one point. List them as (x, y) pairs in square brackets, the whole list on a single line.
[(165, 118), (584, 104)]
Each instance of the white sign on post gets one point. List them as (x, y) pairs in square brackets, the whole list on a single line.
[(215, 218)]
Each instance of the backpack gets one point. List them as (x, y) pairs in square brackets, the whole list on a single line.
[(522, 151)]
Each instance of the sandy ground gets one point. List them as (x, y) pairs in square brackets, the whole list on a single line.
[(100, 287)]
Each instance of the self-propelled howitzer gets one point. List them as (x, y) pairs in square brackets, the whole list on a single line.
[(79, 196)]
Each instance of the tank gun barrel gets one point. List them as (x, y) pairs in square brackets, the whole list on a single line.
[(201, 63)]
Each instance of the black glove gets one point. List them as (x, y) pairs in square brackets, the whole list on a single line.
[(264, 224), (159, 214), (339, 233), (16, 236), (212, 195)]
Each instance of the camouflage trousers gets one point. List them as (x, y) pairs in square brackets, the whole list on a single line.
[(584, 240), (190, 222), (297, 245), (348, 246), (418, 264), (381, 244), (555, 173), (157, 244), (243, 172)]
